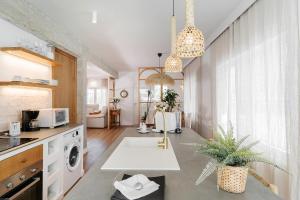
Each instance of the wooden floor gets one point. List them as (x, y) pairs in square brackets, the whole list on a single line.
[(98, 140)]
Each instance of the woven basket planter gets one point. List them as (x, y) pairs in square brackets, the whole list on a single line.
[(232, 179)]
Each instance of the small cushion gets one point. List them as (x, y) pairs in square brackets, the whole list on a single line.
[(95, 116), (95, 112)]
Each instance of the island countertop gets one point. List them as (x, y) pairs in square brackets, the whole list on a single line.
[(96, 184)]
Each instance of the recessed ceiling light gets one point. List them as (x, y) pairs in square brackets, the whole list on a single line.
[(94, 17)]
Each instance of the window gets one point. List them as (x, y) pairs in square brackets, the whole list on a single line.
[(97, 96), (90, 96), (101, 97)]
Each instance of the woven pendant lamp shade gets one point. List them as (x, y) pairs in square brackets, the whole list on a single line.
[(173, 62), (190, 41), (159, 79)]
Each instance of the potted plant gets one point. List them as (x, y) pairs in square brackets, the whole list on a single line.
[(172, 118), (230, 158), (170, 99)]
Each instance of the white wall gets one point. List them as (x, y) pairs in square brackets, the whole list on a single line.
[(97, 83), (128, 81), (12, 36), (15, 99)]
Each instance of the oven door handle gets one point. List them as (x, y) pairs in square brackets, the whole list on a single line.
[(24, 189)]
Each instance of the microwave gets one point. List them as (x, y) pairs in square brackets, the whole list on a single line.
[(53, 117)]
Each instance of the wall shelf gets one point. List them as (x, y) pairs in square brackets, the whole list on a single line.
[(29, 55), (25, 84)]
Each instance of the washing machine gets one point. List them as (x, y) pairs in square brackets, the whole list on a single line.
[(73, 158)]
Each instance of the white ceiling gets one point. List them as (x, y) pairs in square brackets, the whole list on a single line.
[(129, 33), (95, 72)]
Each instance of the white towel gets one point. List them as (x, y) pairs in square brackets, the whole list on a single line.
[(126, 187)]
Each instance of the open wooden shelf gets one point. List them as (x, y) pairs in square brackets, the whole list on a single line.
[(25, 84), (29, 55)]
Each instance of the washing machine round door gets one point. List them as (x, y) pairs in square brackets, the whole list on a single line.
[(73, 157)]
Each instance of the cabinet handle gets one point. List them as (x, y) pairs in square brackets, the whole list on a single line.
[(22, 178), (9, 185), (36, 180)]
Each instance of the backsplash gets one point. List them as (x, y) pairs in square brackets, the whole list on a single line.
[(13, 100)]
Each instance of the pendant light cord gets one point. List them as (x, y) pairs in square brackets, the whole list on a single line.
[(159, 55), (159, 61), (173, 8)]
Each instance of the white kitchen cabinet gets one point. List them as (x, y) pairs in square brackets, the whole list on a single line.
[(53, 165)]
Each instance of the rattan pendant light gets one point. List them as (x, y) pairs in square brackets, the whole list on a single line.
[(159, 78), (173, 62), (190, 41)]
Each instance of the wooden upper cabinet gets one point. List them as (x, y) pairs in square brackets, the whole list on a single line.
[(65, 94)]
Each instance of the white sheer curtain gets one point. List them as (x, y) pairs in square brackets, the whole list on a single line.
[(97, 91), (198, 101), (255, 85), (190, 99)]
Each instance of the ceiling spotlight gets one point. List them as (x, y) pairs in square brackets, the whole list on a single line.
[(94, 17)]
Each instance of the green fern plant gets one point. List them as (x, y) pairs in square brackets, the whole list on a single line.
[(225, 150)]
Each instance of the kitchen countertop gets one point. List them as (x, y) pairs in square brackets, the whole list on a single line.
[(42, 134), (180, 185)]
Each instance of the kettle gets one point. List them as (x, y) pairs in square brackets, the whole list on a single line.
[(14, 129)]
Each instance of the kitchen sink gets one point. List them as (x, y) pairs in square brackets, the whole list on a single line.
[(141, 153)]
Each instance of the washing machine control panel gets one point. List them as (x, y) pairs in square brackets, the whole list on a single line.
[(74, 134)]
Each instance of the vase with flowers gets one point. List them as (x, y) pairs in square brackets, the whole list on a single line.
[(116, 102), (173, 113)]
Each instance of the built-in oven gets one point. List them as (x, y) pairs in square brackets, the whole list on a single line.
[(25, 185)]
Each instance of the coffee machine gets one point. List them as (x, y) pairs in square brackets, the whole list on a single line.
[(29, 120)]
